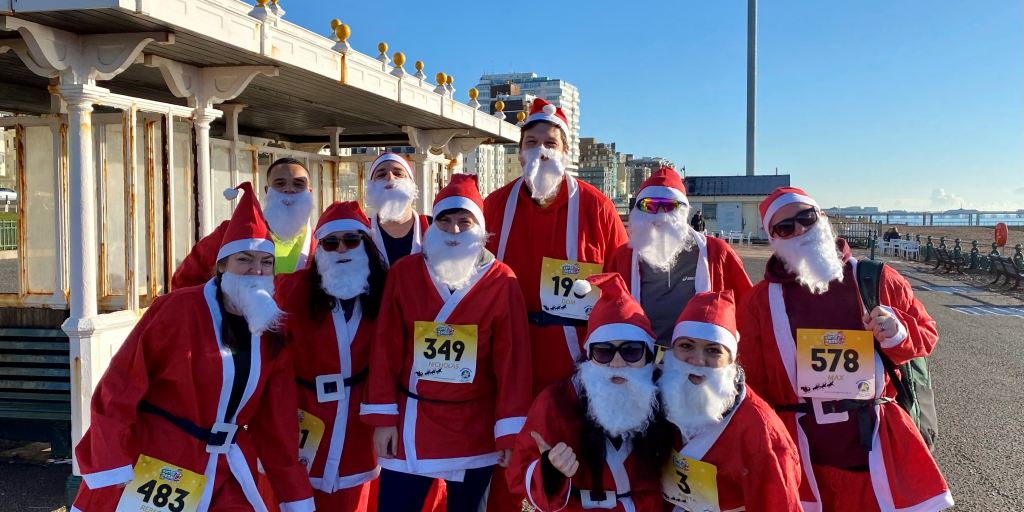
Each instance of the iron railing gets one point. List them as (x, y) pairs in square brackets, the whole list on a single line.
[(8, 235)]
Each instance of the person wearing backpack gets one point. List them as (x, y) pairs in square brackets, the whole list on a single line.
[(837, 371)]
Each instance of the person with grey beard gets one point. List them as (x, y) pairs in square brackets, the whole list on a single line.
[(730, 450), (811, 349)]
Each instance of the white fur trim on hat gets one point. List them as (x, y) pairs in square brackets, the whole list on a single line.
[(612, 332), (706, 331), (662, 192), (551, 118), (245, 244), (340, 225), (581, 287), (393, 158), (781, 201), (464, 203)]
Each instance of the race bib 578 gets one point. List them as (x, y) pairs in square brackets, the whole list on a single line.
[(835, 364)]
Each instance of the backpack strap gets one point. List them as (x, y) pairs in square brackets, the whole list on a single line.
[(869, 279)]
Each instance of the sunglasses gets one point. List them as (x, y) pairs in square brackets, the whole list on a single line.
[(331, 243), (631, 351), (653, 205), (786, 227)]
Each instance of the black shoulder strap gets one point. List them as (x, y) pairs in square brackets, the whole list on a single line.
[(869, 278)]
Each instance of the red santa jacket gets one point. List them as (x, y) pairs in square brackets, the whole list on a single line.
[(326, 351), (174, 359), (903, 473), (455, 425), (718, 268), (199, 266), (757, 464), (541, 232), (557, 416)]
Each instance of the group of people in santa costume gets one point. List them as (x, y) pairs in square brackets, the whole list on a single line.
[(526, 346)]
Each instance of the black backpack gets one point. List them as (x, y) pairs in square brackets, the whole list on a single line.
[(913, 383)]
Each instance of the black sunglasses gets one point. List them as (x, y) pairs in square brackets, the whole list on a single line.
[(786, 227), (632, 351), (331, 243)]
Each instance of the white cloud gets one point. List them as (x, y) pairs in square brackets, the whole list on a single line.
[(940, 200)]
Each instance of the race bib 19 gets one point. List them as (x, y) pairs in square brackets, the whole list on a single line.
[(556, 295), (311, 431), (835, 364), (690, 484), (161, 487), (444, 352)]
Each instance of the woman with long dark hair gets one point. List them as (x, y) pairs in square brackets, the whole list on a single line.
[(200, 389)]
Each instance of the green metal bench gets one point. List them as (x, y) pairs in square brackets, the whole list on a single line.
[(35, 388)]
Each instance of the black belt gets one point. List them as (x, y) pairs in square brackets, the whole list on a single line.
[(410, 394), (349, 382), (865, 419), (545, 319), (205, 435), (573, 491)]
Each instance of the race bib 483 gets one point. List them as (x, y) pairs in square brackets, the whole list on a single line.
[(161, 487)]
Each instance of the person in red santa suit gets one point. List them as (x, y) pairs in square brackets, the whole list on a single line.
[(397, 229), (729, 451), (666, 261), (331, 308), (288, 204), (859, 450), (449, 383), (593, 440), (199, 390)]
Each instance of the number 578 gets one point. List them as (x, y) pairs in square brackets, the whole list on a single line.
[(819, 362)]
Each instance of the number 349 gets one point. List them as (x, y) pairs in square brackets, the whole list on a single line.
[(162, 497)]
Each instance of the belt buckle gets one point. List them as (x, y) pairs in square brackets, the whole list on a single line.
[(330, 388), (588, 502), (225, 434)]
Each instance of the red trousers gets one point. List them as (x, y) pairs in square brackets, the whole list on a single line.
[(845, 491), (499, 498)]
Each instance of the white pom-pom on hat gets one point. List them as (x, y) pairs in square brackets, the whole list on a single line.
[(581, 287), (550, 110), (230, 194)]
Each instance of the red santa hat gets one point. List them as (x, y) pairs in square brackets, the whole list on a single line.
[(710, 316), (617, 315), (394, 157), (247, 229), (342, 216), (665, 183), (461, 192), (779, 198), (544, 111)]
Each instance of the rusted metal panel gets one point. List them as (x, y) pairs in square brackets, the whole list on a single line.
[(166, 137), (151, 205), (129, 120), (63, 185), (19, 145)]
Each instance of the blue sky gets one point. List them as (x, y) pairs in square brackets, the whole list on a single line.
[(915, 105)]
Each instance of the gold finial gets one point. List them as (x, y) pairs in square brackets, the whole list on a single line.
[(440, 77), (499, 105), (473, 94), (334, 24), (342, 32), (273, 2), (419, 66), (398, 59), (262, 3), (382, 48), (450, 79), (521, 116)]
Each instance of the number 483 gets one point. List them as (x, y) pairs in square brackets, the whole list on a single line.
[(162, 497), (819, 362)]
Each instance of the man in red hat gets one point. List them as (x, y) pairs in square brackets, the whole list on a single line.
[(592, 439), (811, 350), (449, 370), (396, 228), (289, 203), (666, 261), (730, 452)]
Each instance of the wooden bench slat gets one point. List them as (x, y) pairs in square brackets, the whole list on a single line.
[(34, 358), (36, 372), (33, 415), (14, 405), (33, 333), (33, 345), (46, 397), (35, 384)]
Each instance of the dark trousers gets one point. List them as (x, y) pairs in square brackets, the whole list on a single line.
[(403, 492)]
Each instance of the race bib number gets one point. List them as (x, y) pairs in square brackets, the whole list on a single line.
[(311, 431), (835, 364), (556, 295), (690, 484), (161, 487), (445, 352)]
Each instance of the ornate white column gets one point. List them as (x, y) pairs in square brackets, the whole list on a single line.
[(204, 203)]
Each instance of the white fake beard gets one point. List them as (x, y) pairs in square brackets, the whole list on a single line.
[(253, 296), (287, 214), (812, 256), (453, 265), (660, 247), (391, 198), (344, 275), (621, 409), (543, 177), (694, 407)]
